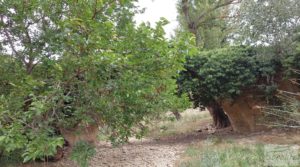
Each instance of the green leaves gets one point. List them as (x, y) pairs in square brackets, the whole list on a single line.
[(36, 109), (82, 62), (221, 74), (269, 23), (41, 146), (82, 153), (11, 138)]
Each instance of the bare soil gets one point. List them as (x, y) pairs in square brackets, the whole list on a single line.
[(161, 152), (165, 151)]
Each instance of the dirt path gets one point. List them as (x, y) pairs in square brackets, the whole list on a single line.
[(139, 153), (163, 152), (166, 151), (133, 155), (146, 154)]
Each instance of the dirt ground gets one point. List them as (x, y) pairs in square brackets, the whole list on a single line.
[(155, 152), (144, 154), (165, 151)]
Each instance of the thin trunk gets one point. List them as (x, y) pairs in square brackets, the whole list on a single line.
[(29, 68), (198, 38), (176, 114), (220, 119)]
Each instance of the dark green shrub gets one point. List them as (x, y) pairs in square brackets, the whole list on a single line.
[(221, 74)]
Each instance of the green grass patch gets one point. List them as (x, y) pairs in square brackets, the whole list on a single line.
[(217, 153)]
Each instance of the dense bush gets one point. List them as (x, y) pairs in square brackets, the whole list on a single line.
[(210, 77), (79, 63), (225, 73), (221, 73)]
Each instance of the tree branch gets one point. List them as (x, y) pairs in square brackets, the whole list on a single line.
[(218, 5), (101, 9), (186, 12), (11, 43), (30, 64)]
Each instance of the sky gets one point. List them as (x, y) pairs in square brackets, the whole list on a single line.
[(155, 9)]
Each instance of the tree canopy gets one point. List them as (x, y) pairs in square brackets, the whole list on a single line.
[(252, 48), (65, 64), (71, 63)]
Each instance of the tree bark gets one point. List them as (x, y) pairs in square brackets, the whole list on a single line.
[(177, 115), (220, 119)]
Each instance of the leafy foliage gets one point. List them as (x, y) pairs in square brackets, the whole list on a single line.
[(276, 27), (222, 74), (206, 20), (82, 152), (225, 73), (269, 29), (64, 63)]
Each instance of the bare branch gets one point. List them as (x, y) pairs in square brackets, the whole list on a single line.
[(194, 24), (186, 12), (11, 43), (219, 4)]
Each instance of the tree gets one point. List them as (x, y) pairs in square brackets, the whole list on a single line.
[(212, 76), (69, 64), (215, 75), (206, 20), (270, 23)]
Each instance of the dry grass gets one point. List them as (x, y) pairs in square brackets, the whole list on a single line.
[(192, 119), (216, 152)]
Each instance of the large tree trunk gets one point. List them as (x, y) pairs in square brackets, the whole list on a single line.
[(246, 114), (220, 119), (242, 115)]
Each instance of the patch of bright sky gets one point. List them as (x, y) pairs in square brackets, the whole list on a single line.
[(155, 9)]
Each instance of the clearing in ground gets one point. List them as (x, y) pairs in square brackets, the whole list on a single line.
[(191, 141)]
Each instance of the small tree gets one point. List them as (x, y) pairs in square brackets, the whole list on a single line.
[(212, 76), (206, 20), (68, 64)]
